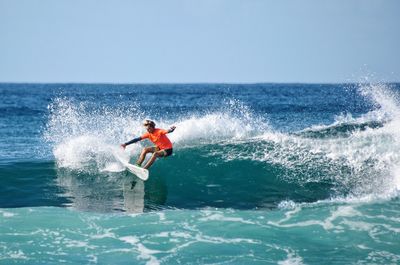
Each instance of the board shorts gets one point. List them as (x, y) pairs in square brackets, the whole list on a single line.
[(167, 152)]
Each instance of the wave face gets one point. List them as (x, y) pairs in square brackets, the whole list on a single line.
[(232, 156), (254, 166)]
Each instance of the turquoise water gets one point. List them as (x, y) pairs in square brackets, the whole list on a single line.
[(261, 174), (328, 233)]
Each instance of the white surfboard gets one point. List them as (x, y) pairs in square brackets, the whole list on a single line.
[(141, 173)]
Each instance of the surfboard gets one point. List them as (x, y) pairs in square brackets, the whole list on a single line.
[(141, 173)]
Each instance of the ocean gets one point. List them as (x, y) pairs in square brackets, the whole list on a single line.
[(260, 174)]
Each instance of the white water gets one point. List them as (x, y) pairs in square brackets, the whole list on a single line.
[(82, 136), (364, 163)]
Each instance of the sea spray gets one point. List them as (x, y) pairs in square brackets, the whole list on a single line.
[(357, 156), (83, 133), (364, 160)]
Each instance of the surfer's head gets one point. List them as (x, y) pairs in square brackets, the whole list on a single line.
[(149, 125)]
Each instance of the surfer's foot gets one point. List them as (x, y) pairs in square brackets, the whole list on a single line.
[(133, 184)]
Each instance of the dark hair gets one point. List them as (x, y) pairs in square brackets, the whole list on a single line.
[(149, 123)]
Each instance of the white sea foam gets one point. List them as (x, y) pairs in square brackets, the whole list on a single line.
[(211, 216), (287, 204), (292, 259), (338, 216), (144, 252), (7, 214), (19, 254), (130, 239), (365, 164)]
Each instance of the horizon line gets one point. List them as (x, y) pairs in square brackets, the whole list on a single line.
[(199, 83)]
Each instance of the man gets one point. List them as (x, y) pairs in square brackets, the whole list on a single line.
[(163, 146)]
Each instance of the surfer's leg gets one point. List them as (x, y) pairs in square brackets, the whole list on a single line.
[(142, 156), (153, 158)]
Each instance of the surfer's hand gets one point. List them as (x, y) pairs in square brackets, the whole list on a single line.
[(123, 146), (172, 129)]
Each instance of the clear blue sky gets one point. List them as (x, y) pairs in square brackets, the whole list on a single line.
[(199, 41)]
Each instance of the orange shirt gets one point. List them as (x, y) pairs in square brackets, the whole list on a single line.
[(159, 138)]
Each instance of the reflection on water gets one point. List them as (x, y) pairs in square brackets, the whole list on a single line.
[(133, 196), (106, 192)]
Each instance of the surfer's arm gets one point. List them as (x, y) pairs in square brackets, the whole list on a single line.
[(170, 130), (131, 142)]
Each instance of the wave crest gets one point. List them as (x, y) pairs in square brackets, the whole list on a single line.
[(358, 156)]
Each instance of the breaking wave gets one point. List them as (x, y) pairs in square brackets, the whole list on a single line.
[(354, 157)]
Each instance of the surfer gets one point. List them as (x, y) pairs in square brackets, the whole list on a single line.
[(158, 136)]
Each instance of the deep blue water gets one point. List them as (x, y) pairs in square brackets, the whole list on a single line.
[(261, 174)]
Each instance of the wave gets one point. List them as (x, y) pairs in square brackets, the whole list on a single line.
[(342, 129), (234, 150), (359, 154)]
